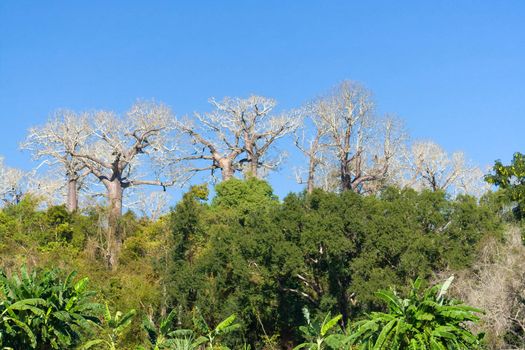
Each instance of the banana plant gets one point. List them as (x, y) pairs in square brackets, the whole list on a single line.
[(210, 336), (423, 320), (57, 312), (164, 335), (12, 326), (115, 326), (321, 335)]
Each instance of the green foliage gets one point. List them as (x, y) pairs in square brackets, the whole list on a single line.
[(162, 335), (45, 311), (423, 320), (209, 337), (244, 195), (246, 253), (321, 335), (511, 178), (264, 261), (202, 336), (113, 329)]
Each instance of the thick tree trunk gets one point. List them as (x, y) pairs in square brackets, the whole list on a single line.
[(226, 169), (72, 195), (114, 234), (254, 167), (253, 159)]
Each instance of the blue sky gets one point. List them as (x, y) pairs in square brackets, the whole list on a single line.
[(453, 70)]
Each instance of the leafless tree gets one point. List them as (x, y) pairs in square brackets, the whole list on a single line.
[(48, 188), (15, 184), (114, 151), (151, 205), (384, 150), (429, 166), (238, 127), (314, 147), (55, 142), (362, 145), (11, 184), (216, 139)]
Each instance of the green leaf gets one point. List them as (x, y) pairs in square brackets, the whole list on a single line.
[(330, 324), (224, 324), (92, 343), (391, 299), (80, 286), (383, 336)]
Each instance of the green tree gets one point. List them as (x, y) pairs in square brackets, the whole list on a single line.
[(511, 178)]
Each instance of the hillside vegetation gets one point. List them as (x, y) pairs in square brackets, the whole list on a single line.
[(258, 263), (391, 245)]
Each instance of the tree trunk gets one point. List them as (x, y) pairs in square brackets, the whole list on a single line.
[(226, 169), (254, 167), (253, 158), (72, 195), (114, 234), (346, 178), (311, 176)]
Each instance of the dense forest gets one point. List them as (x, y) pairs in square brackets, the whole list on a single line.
[(393, 244)]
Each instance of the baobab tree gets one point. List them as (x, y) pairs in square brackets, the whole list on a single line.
[(11, 184), (429, 166), (260, 129), (238, 127), (314, 147), (113, 154), (55, 143), (16, 184), (362, 145), (216, 139)]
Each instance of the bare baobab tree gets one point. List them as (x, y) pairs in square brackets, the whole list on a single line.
[(113, 154), (260, 128), (429, 166), (55, 142), (16, 184), (11, 184), (216, 139), (362, 145), (314, 148), (384, 150), (238, 127)]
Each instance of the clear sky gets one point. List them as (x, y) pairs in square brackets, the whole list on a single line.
[(453, 70)]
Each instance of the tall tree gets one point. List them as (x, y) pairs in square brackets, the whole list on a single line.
[(55, 142), (216, 138), (112, 153), (354, 131), (313, 147), (239, 126)]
